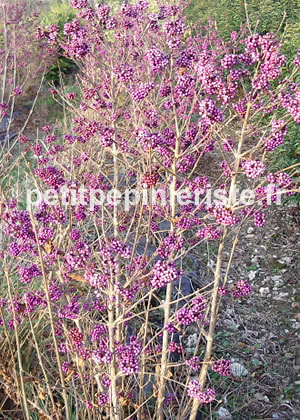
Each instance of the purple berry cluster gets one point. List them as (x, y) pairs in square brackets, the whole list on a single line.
[(175, 347), (253, 168), (171, 328), (209, 111), (118, 247), (185, 86), (187, 316), (142, 91), (227, 171), (209, 232), (157, 59), (18, 91), (242, 288), (224, 216), (98, 331), (76, 337), (105, 380), (228, 145), (283, 180), (175, 28), (97, 280), (66, 366), (15, 249), (291, 102), (78, 4), (194, 363), (77, 257), (88, 405), (51, 176), (103, 11), (259, 218), (52, 34), (150, 179), (44, 234), (128, 357), (27, 274), (223, 291), (102, 354), (277, 135), (34, 300), (164, 272), (195, 391), (171, 243), (222, 367), (169, 399), (124, 73), (103, 399), (230, 60), (76, 46), (264, 48)]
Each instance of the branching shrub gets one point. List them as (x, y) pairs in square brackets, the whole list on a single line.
[(102, 258)]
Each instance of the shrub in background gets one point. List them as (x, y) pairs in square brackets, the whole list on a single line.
[(59, 13), (263, 16), (24, 60), (23, 57)]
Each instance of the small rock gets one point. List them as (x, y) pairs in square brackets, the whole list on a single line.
[(238, 370), (286, 260), (229, 323), (278, 280), (264, 291), (191, 343), (223, 413), (262, 397), (211, 264), (251, 275), (164, 226)]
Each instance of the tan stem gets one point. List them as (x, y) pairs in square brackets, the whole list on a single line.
[(218, 273), (21, 373), (167, 305), (51, 319), (212, 325), (113, 311)]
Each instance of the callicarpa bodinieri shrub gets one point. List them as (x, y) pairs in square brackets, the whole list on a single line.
[(23, 60), (166, 127)]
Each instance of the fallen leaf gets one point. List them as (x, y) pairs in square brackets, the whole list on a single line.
[(48, 247), (78, 277)]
